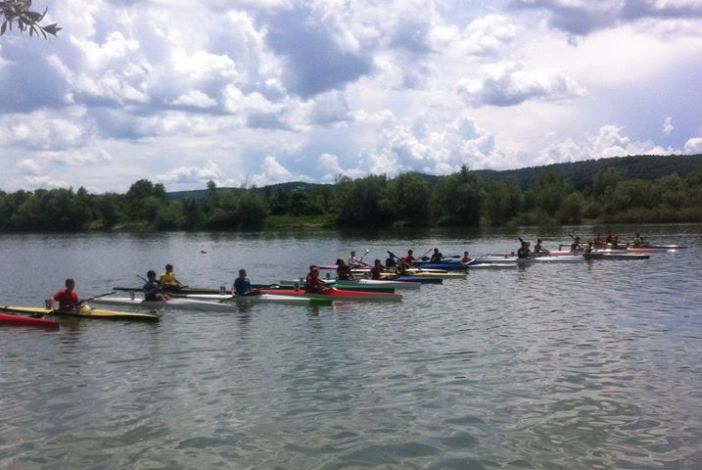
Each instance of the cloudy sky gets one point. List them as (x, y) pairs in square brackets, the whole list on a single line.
[(254, 92)]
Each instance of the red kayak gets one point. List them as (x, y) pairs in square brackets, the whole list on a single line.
[(21, 320), (335, 294)]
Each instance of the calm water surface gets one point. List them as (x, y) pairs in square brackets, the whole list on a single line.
[(585, 366)]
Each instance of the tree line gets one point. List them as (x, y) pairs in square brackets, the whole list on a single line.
[(462, 199)]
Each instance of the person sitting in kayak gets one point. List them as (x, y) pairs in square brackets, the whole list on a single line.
[(466, 259), (168, 278), (409, 259), (436, 257), (376, 270), (539, 250), (638, 241), (524, 252), (152, 289), (390, 263), (575, 246), (609, 238), (242, 285), (343, 270), (355, 262), (67, 298), (597, 241), (312, 282)]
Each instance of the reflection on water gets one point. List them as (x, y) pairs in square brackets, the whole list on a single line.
[(590, 365)]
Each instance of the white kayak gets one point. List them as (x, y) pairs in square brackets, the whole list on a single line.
[(510, 265), (556, 259), (494, 259), (226, 299), (176, 302)]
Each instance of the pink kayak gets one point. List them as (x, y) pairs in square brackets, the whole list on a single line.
[(335, 294), (22, 320)]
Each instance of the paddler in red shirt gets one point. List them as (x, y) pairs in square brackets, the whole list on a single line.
[(312, 282), (67, 298)]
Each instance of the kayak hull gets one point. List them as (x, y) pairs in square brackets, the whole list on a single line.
[(84, 313), (227, 299), (177, 302), (21, 320), (445, 265), (336, 294)]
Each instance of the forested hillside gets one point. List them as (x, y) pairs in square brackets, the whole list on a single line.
[(630, 189)]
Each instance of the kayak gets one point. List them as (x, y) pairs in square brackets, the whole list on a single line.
[(555, 259), (21, 320), (616, 256), (176, 302), (509, 265), (425, 273), (228, 299), (395, 284), (495, 259), (85, 312), (177, 291), (447, 265), (336, 294), (343, 285), (411, 279)]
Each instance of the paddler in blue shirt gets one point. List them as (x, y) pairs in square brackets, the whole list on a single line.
[(151, 289), (242, 286)]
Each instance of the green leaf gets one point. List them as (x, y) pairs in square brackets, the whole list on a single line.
[(3, 28)]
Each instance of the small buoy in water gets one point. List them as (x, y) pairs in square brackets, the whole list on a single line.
[(203, 251)]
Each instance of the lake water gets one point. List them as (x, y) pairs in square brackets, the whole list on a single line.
[(580, 366)]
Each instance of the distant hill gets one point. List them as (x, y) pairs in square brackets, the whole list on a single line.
[(579, 174)]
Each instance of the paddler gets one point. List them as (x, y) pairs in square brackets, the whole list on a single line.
[(409, 259), (152, 289), (638, 241), (539, 250), (609, 238), (67, 298), (168, 278), (242, 285), (312, 282), (390, 263), (436, 257), (355, 262), (597, 241), (376, 270), (343, 270), (466, 259), (524, 252), (575, 246)]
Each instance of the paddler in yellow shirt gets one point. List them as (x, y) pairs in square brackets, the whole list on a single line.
[(168, 279)]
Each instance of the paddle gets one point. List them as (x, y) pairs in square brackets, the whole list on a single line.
[(96, 297), (360, 260)]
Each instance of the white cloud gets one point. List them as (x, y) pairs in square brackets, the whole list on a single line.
[(693, 146), (668, 126), (43, 130), (195, 98), (29, 166), (271, 172), (197, 176), (507, 84)]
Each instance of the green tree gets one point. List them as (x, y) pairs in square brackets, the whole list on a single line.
[(411, 199), (17, 13), (457, 199), (365, 202), (503, 201)]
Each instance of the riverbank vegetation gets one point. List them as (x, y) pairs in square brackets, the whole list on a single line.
[(463, 199)]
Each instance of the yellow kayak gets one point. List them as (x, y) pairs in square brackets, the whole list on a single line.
[(85, 312)]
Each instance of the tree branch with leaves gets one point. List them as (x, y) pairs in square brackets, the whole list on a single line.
[(17, 13)]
